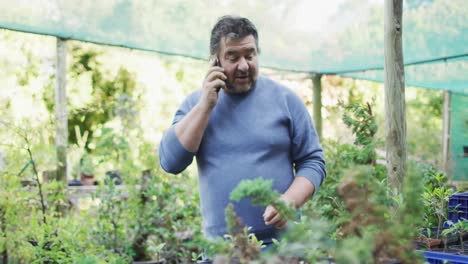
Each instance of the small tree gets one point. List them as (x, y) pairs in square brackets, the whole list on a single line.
[(460, 228)]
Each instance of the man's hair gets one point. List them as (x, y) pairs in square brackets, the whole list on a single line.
[(233, 27)]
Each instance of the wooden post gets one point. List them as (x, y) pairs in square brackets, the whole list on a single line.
[(395, 108), (317, 102), (61, 117), (446, 133)]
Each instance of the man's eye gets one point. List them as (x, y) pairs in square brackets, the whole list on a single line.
[(232, 58)]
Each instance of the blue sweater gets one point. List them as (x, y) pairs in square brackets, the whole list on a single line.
[(266, 132)]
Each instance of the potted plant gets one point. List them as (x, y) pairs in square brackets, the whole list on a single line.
[(76, 154), (435, 198), (459, 228), (86, 169)]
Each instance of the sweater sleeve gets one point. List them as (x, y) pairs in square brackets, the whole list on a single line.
[(307, 154), (173, 157)]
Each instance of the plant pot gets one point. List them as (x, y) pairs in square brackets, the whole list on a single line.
[(87, 179), (418, 244), (205, 261), (151, 262), (427, 243), (114, 176), (458, 250), (74, 183), (445, 250), (49, 175), (452, 239), (433, 232), (26, 183)]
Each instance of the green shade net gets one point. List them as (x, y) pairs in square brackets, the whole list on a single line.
[(332, 37), (459, 136)]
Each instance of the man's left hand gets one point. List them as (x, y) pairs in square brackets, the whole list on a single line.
[(271, 216)]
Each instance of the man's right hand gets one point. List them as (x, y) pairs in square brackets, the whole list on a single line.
[(214, 81)]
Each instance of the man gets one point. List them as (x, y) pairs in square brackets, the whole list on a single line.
[(242, 126)]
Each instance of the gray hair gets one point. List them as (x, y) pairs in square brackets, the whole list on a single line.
[(233, 27)]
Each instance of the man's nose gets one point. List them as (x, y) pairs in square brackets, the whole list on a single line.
[(243, 65)]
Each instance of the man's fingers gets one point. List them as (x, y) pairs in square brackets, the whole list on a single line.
[(272, 217), (217, 83), (282, 224), (275, 220), (216, 75), (214, 69), (270, 212)]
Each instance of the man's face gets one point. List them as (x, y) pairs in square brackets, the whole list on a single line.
[(239, 59)]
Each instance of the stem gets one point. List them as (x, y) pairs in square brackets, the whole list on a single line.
[(3, 228), (39, 185), (114, 225), (439, 225), (445, 243), (461, 240)]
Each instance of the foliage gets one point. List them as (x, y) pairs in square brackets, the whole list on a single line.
[(111, 96), (340, 157), (111, 147), (360, 118), (297, 241), (460, 228), (243, 247), (86, 164), (34, 229), (109, 230), (435, 198), (372, 219), (424, 122), (260, 193), (162, 218)]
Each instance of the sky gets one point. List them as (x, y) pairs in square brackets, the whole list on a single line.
[(313, 16)]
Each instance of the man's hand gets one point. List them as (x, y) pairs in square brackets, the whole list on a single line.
[(271, 216), (214, 81)]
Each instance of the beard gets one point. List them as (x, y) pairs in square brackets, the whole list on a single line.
[(239, 89)]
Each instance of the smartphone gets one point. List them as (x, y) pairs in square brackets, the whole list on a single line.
[(217, 63)]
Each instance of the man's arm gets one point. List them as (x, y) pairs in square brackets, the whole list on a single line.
[(182, 140), (191, 128), (298, 193), (308, 158)]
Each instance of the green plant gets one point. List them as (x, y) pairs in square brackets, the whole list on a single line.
[(360, 118), (296, 242), (32, 216), (162, 218), (460, 228), (109, 229), (77, 151), (112, 148), (87, 166), (241, 245), (435, 199), (373, 220), (110, 95), (244, 246), (259, 192)]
